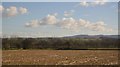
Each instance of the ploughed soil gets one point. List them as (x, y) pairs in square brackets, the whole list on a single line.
[(60, 57)]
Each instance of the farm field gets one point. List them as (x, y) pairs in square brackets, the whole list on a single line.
[(59, 57)]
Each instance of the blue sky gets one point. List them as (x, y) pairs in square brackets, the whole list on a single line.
[(54, 0), (105, 14)]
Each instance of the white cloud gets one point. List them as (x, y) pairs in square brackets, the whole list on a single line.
[(1, 8), (49, 19), (12, 11), (84, 3), (23, 10), (32, 23), (109, 30), (70, 23), (93, 3), (69, 13), (84, 23), (100, 2), (97, 27), (55, 14), (101, 23)]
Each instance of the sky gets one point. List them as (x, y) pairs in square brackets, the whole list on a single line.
[(56, 0), (48, 19)]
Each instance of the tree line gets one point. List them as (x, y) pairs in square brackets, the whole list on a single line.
[(58, 43)]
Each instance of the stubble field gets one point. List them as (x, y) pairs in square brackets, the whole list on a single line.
[(59, 57)]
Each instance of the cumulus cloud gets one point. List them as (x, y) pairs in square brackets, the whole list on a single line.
[(98, 26), (100, 2), (83, 23), (70, 23), (93, 3), (84, 3), (69, 13), (12, 11), (55, 14), (23, 10), (48, 20), (1, 8), (32, 23)]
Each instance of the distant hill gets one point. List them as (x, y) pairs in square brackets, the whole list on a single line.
[(72, 36), (93, 36)]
